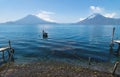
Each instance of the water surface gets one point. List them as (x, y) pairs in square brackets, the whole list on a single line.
[(64, 43)]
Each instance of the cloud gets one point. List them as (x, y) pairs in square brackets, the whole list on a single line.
[(80, 19), (96, 9), (47, 16), (110, 15)]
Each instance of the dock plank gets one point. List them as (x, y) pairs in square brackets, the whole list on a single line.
[(117, 41), (4, 48)]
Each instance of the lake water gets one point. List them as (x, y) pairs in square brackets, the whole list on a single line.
[(69, 43)]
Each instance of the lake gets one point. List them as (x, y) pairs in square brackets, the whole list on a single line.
[(69, 43)]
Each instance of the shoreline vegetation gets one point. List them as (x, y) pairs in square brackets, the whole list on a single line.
[(52, 69)]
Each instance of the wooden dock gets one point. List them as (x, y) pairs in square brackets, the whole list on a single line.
[(117, 41), (118, 49), (8, 49), (117, 53), (4, 49)]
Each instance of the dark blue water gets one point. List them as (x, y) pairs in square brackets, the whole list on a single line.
[(64, 42)]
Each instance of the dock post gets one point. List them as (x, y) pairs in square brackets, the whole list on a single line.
[(89, 61), (3, 56), (115, 67), (11, 51), (8, 54), (112, 41), (118, 50), (110, 52), (9, 44), (113, 35), (111, 49)]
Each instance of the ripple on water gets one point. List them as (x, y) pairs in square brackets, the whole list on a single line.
[(73, 42)]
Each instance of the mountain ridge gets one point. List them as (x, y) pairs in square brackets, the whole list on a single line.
[(30, 20), (98, 19), (94, 19)]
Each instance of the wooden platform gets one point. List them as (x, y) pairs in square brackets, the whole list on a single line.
[(4, 49), (118, 49), (8, 49), (117, 41)]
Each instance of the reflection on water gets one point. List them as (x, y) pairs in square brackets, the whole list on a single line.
[(65, 42)]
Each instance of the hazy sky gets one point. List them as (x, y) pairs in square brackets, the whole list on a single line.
[(57, 10)]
